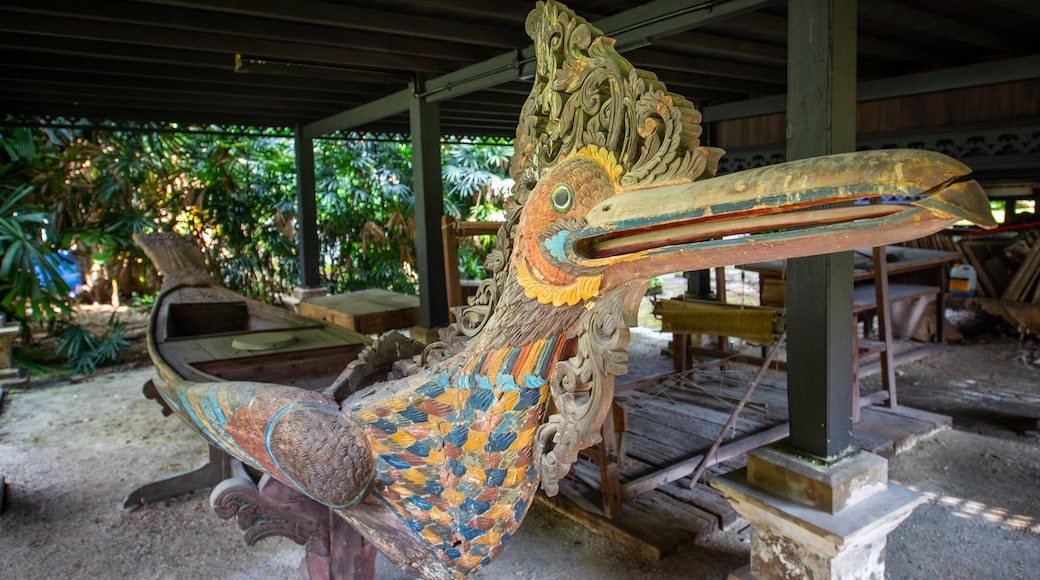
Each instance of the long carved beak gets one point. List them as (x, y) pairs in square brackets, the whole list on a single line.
[(781, 211)]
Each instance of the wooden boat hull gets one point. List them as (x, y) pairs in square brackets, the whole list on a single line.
[(208, 333)]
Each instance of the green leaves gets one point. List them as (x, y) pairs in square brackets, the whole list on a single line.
[(87, 352), (236, 195), (30, 285)]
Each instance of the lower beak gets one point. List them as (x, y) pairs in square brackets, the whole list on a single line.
[(800, 208)]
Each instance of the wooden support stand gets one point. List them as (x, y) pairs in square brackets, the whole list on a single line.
[(334, 550), (8, 372), (216, 468)]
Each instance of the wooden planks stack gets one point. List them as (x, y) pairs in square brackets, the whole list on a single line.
[(938, 241), (1024, 286), (998, 277)]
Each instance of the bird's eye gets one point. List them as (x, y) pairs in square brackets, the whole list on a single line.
[(562, 198)]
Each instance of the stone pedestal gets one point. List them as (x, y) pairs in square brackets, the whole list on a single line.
[(7, 336), (816, 519)]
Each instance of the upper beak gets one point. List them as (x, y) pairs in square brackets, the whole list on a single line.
[(784, 211)]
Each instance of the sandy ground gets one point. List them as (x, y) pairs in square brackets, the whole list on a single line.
[(70, 453)]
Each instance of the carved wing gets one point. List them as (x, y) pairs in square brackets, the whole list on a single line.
[(300, 437)]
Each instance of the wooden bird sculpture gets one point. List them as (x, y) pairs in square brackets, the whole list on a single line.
[(438, 468)]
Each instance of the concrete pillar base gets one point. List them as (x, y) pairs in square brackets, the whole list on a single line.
[(299, 294), (795, 530), (7, 336)]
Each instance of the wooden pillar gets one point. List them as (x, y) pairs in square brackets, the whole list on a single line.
[(307, 213), (429, 208), (821, 119)]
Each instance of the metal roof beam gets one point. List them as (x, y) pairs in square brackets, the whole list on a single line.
[(924, 22), (135, 34), (388, 106), (1017, 69), (629, 28), (357, 18), (209, 22)]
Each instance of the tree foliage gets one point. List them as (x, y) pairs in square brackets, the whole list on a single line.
[(90, 190)]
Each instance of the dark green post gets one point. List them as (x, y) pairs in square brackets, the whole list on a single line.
[(429, 209), (821, 119), (307, 212)]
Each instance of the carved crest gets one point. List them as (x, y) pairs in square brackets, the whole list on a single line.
[(586, 100)]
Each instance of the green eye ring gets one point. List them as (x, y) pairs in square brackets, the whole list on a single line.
[(562, 198)]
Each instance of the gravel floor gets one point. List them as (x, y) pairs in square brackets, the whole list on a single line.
[(70, 452)]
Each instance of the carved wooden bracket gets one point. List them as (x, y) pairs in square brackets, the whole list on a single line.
[(272, 509)]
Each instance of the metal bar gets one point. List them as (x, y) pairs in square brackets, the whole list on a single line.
[(682, 469), (697, 473), (307, 212)]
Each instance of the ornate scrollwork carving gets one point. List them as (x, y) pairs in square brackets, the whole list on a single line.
[(586, 94), (582, 388), (259, 517)]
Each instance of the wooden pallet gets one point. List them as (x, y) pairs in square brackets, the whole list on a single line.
[(676, 420)]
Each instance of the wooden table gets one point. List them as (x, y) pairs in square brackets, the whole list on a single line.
[(366, 311), (913, 266), (906, 274)]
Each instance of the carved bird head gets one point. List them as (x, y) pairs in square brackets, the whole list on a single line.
[(613, 187)]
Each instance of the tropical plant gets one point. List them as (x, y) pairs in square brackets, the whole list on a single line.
[(30, 285), (236, 195), (85, 351), (477, 183)]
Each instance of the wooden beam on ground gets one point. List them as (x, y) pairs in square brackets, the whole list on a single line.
[(687, 466)]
